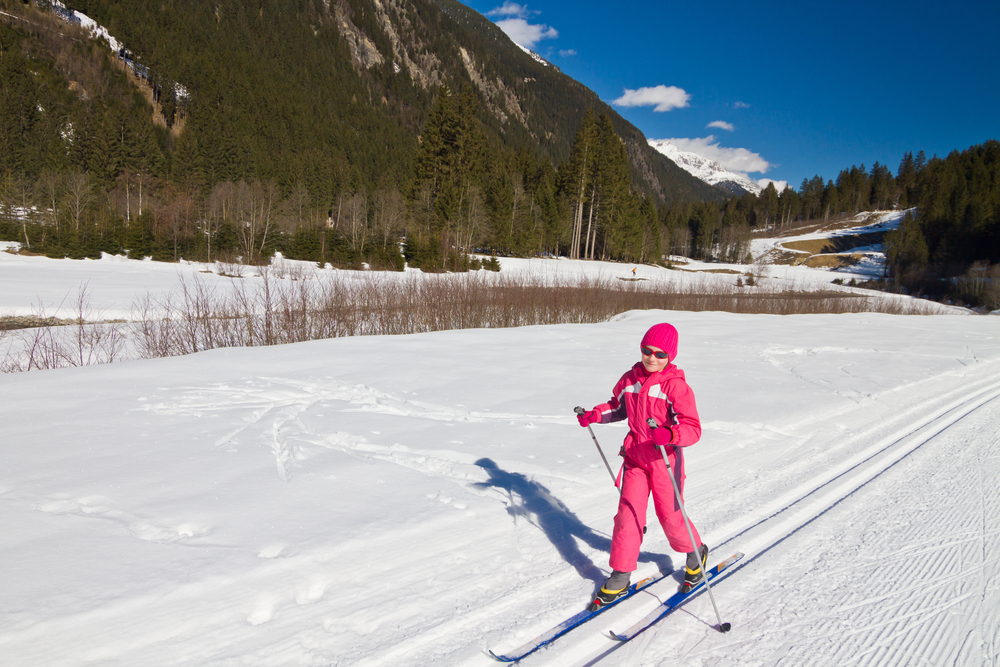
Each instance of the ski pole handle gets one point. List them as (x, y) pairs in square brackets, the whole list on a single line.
[(653, 427), (614, 480)]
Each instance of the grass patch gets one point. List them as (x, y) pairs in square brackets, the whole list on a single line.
[(833, 261), (14, 322), (836, 244), (730, 272)]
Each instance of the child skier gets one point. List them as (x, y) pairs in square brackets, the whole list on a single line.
[(656, 388)]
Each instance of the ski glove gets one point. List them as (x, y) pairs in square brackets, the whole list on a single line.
[(588, 418), (663, 436)]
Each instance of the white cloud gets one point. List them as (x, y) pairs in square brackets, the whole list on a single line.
[(722, 125), (661, 98), (567, 53), (740, 105), (780, 186), (510, 9), (518, 27), (739, 160), (526, 34)]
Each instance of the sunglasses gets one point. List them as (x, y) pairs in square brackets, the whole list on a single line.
[(648, 352)]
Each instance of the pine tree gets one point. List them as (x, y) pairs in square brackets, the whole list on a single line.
[(906, 251), (906, 181), (576, 178)]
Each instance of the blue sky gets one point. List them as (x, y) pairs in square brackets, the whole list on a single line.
[(780, 90)]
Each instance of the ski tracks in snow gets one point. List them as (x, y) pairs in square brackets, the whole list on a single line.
[(273, 408), (828, 582), (297, 420)]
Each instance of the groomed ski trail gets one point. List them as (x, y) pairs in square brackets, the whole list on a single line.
[(850, 587), (878, 442)]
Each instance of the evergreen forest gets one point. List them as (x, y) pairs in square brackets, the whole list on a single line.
[(947, 247), (359, 133)]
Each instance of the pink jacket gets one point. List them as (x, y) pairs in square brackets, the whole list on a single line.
[(666, 397)]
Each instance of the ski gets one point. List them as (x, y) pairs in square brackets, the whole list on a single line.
[(570, 623), (673, 602)]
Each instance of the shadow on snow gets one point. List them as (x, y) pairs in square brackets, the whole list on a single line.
[(537, 504)]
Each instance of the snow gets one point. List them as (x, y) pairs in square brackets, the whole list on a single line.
[(417, 500), (534, 56), (96, 30)]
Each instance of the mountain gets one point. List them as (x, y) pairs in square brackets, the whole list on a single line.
[(707, 170), (334, 126), (372, 68), (527, 94)]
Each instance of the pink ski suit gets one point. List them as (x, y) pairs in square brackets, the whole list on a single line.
[(666, 397)]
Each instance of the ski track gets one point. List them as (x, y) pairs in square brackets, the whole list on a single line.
[(950, 556), (275, 405)]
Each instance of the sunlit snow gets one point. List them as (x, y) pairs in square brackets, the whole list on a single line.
[(417, 500)]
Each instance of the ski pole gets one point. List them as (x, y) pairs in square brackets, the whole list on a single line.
[(614, 480), (723, 627)]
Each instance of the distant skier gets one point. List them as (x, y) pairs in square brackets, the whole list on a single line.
[(633, 271), (656, 388)]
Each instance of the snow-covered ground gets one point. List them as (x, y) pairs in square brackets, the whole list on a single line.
[(417, 500)]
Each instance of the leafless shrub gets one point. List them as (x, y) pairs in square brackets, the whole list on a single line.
[(82, 341), (273, 311), (980, 285), (230, 265), (277, 307)]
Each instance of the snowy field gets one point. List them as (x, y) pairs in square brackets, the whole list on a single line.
[(113, 285), (417, 500)]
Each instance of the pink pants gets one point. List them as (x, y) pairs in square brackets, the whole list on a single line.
[(638, 480)]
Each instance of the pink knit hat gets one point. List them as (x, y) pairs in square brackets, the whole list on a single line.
[(663, 336)]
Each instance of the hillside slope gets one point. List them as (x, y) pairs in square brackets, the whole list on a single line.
[(313, 91)]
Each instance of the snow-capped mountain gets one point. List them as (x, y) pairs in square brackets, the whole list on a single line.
[(707, 170), (537, 58)]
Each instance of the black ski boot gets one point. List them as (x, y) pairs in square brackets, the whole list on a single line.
[(694, 575), (615, 587)]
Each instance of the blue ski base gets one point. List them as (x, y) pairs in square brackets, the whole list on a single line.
[(570, 623), (673, 602)]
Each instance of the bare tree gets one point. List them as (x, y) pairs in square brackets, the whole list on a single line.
[(17, 194), (682, 241), (474, 220), (50, 190), (423, 211), (389, 212), (356, 220), (256, 204), (176, 218), (294, 210), (219, 209), (79, 195)]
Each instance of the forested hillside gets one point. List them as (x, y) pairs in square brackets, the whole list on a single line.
[(307, 127), (948, 248)]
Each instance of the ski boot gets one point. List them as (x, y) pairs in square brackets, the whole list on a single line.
[(693, 576), (615, 587)]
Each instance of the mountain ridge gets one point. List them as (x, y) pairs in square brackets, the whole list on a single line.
[(526, 102), (707, 170)]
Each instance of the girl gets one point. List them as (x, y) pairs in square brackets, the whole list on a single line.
[(656, 388)]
